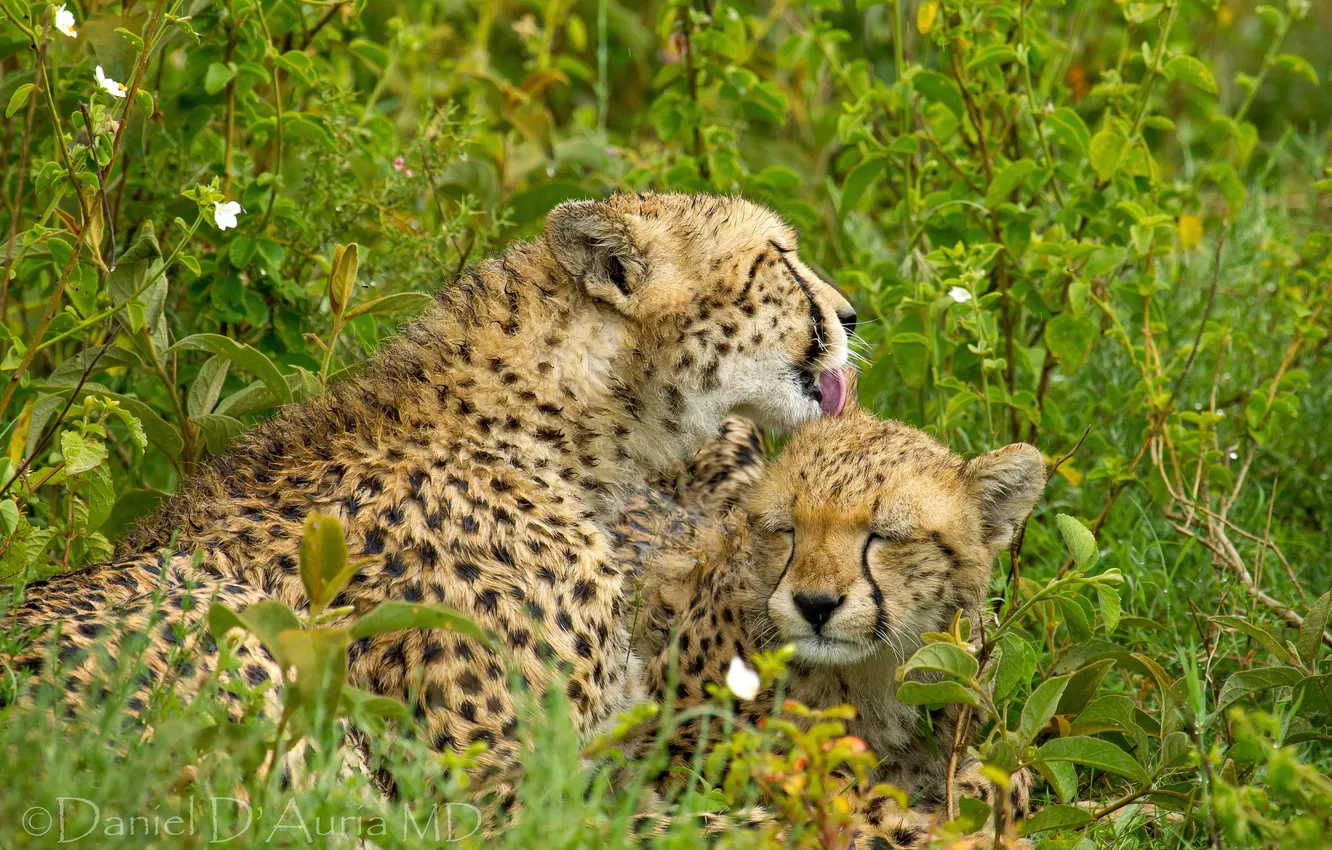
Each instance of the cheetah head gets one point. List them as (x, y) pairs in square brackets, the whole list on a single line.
[(719, 312), (868, 533)]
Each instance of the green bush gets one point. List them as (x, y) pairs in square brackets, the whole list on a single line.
[(1099, 227)]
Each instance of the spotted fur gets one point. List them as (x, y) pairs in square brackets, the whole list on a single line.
[(483, 455), (860, 537)]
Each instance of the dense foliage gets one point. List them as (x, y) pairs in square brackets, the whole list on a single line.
[(1099, 227)]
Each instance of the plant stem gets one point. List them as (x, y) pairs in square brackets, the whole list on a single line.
[(52, 304), (20, 179), (687, 28), (277, 102)]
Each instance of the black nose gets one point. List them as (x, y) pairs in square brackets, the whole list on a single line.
[(816, 607), (848, 319)]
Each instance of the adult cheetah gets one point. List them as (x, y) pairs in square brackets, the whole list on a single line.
[(861, 536), (484, 452)]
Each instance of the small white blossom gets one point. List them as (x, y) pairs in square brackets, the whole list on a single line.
[(224, 214), (111, 87), (742, 681), (64, 21), (959, 295)]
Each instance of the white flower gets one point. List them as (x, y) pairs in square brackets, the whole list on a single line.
[(742, 681), (959, 295), (112, 87), (64, 20), (224, 214)]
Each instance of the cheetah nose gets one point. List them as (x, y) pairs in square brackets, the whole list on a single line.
[(848, 319), (817, 608)]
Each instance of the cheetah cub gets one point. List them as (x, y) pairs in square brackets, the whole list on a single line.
[(861, 536), (485, 452)]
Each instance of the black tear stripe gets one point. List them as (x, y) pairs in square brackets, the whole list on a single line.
[(818, 344), (876, 594), (790, 559)]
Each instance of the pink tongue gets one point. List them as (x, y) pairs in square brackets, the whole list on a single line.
[(832, 391)]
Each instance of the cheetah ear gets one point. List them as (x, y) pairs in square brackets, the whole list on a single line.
[(595, 244), (1007, 482)]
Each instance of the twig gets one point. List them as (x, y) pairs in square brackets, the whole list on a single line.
[(51, 304), (20, 177), (963, 720), (102, 174), (1230, 558), (1207, 312), (687, 28), (1072, 451)]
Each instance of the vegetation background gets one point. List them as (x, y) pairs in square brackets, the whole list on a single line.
[(1102, 227)]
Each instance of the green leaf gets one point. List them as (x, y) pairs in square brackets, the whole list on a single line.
[(1311, 633), (319, 657), (1229, 184), (1258, 633), (1017, 664), (133, 38), (241, 251), (219, 430), (935, 693), (1110, 712), (244, 356), (536, 202), (18, 99), (943, 658), (940, 89), (81, 453), (323, 558), (221, 620), (1082, 686), (1314, 695), (1079, 540), (162, 433), (402, 302), (1246, 682), (372, 53), (207, 387), (1075, 619), (359, 703), (1192, 71), (9, 515), (1040, 706), (1067, 126), (1106, 150), (217, 76), (1174, 747), (1299, 66), (1108, 597), (1006, 181), (396, 616), (346, 262), (1070, 338), (299, 64), (1055, 816), (1095, 753), (144, 100), (267, 620), (101, 497), (990, 56), (1061, 775), (858, 181), (130, 506)]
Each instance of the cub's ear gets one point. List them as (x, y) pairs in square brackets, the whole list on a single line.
[(595, 244), (1007, 482)]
